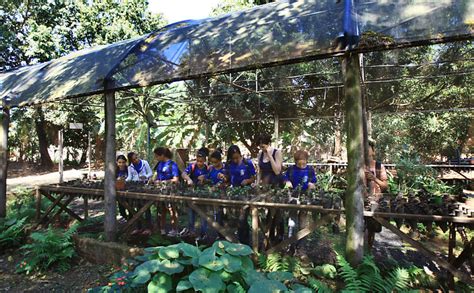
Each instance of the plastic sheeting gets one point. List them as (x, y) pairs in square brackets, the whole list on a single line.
[(267, 35)]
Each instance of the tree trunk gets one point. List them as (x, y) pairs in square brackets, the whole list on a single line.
[(354, 204), (4, 161), (110, 222), (45, 159)]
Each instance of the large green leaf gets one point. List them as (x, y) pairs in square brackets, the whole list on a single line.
[(267, 286), (150, 266), (238, 249), (231, 263), (170, 268), (189, 250), (280, 276), (141, 277), (252, 276), (184, 285), (161, 283), (209, 260), (169, 252)]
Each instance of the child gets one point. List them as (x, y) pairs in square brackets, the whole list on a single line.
[(241, 172), (300, 176), (138, 170), (122, 173), (217, 178), (217, 173), (167, 171), (195, 174), (122, 170)]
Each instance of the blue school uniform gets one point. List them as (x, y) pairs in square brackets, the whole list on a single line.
[(300, 177), (213, 175), (194, 172), (167, 170), (243, 171), (122, 173)]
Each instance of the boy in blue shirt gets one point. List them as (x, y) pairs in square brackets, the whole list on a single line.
[(303, 177), (195, 174)]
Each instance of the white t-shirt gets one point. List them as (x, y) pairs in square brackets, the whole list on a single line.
[(144, 170)]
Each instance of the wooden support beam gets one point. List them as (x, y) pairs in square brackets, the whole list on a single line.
[(255, 239), (63, 206), (38, 204), (354, 202), (86, 207), (61, 155), (313, 225), (429, 254), (51, 207), (212, 223), (136, 217), (110, 193), (451, 257), (4, 125)]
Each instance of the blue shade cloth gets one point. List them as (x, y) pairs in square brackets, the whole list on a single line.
[(277, 33)]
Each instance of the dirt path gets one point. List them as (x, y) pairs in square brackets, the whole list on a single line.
[(49, 178), (80, 277)]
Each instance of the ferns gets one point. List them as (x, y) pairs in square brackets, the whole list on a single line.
[(318, 286), (12, 232), (349, 275), (47, 249), (368, 278)]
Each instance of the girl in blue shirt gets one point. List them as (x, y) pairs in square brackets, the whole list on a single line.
[(167, 171), (121, 174), (195, 174), (241, 172), (217, 172)]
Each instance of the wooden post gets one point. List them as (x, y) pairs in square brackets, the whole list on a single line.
[(354, 203), (38, 204), (89, 154), (255, 239), (451, 257), (110, 193), (86, 207), (4, 159), (61, 157)]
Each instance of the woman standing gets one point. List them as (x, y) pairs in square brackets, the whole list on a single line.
[(270, 162), (270, 165)]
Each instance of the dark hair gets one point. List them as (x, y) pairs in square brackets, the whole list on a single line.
[(264, 139), (202, 152), (372, 143), (130, 157), (162, 151), (217, 154), (121, 157), (233, 149), (301, 155)]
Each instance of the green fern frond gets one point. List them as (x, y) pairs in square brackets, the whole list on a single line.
[(318, 286)]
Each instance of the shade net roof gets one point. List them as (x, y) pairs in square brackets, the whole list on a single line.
[(274, 34)]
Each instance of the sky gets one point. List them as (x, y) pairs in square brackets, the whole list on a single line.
[(177, 10)]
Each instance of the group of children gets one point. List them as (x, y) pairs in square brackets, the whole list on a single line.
[(209, 169)]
